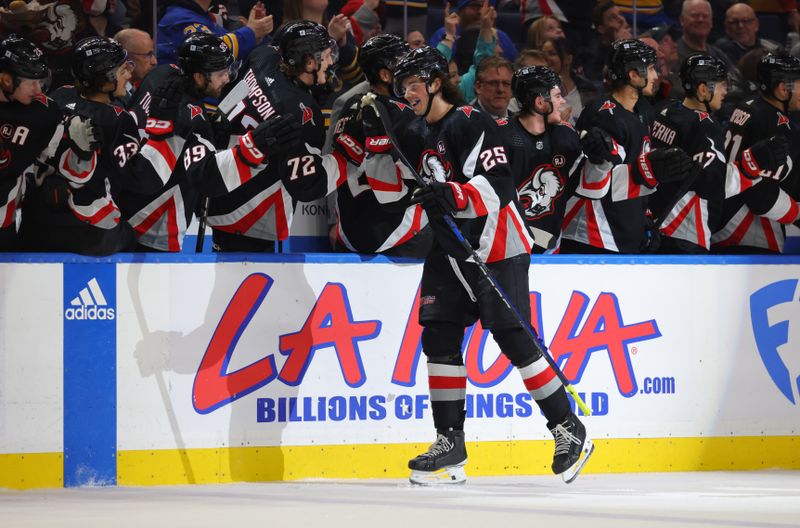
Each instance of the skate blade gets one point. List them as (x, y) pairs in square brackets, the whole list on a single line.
[(572, 472), (446, 476)]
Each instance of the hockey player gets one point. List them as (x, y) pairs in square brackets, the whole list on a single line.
[(544, 153), (753, 221), (688, 212), (206, 166), (23, 109), (278, 80), (372, 205), (467, 175), (99, 156), (607, 212)]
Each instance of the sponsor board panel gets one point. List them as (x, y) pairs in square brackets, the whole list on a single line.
[(31, 367), (257, 354)]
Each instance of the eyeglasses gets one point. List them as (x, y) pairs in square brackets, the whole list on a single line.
[(149, 55), (740, 21), (496, 84)]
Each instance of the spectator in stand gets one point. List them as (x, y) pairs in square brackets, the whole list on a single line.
[(576, 90), (663, 86), (493, 86), (485, 46), (415, 39), (785, 10), (99, 23), (183, 17), (141, 52), (575, 17), (469, 12), (544, 29), (364, 17), (530, 57), (610, 26), (696, 16), (741, 29)]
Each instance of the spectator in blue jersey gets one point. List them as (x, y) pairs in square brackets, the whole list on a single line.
[(469, 13), (184, 17)]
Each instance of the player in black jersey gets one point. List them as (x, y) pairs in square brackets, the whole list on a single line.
[(278, 80), (607, 214), (205, 166), (29, 127), (99, 156), (689, 212), (373, 213), (544, 153), (466, 173), (753, 221)]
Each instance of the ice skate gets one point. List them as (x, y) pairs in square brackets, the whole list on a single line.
[(573, 448), (443, 463)]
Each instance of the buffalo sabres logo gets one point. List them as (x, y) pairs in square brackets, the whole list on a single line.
[(195, 111), (433, 168), (782, 120), (537, 193)]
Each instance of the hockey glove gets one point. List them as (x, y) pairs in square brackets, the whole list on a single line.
[(662, 165), (440, 198), (376, 139), (84, 136), (164, 107), (277, 135), (598, 146), (221, 128), (765, 155)]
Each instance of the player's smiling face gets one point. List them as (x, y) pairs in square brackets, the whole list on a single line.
[(27, 90), (415, 91)]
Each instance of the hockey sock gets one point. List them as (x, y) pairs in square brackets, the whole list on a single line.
[(546, 389), (448, 389)]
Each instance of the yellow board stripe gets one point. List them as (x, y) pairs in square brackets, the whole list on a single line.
[(32, 470), (261, 464), (258, 464)]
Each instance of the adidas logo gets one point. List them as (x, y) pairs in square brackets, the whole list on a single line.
[(89, 305)]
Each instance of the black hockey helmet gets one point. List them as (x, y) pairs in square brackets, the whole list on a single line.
[(22, 58), (627, 55), (95, 61), (300, 39), (531, 82), (775, 68), (204, 53), (702, 69), (427, 63), (379, 52)]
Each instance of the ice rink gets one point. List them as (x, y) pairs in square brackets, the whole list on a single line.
[(763, 498)]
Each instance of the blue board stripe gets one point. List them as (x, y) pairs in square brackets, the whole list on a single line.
[(90, 375)]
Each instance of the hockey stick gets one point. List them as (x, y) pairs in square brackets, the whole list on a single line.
[(370, 100), (201, 228)]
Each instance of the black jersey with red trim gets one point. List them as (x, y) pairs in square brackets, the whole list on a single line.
[(28, 136), (202, 168), (262, 206), (121, 164), (372, 204), (755, 218), (544, 167), (610, 202), (464, 147)]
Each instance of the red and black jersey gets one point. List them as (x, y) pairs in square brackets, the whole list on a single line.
[(609, 206), (262, 206), (465, 147), (372, 204), (29, 135), (755, 217), (544, 167)]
